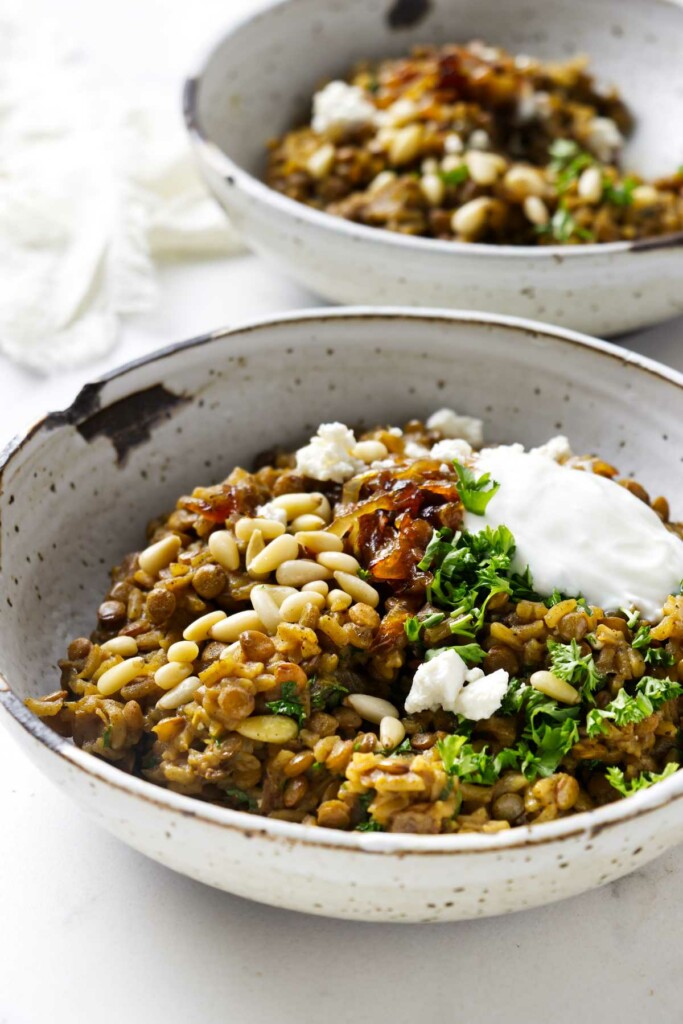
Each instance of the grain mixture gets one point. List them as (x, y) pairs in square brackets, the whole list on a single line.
[(473, 144), (263, 652)]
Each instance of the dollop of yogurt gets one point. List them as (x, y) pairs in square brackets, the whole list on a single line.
[(579, 532)]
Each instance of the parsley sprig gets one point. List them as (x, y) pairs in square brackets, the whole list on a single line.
[(568, 663), (656, 656), (629, 709), (475, 494), (288, 704), (616, 778)]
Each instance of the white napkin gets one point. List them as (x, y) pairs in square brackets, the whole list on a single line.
[(97, 184)]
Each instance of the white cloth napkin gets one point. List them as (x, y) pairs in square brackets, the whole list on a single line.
[(97, 185)]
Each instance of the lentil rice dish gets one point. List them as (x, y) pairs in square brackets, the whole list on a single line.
[(346, 637), (473, 144)]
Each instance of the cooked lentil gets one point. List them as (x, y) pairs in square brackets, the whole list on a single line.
[(473, 144), (298, 712)]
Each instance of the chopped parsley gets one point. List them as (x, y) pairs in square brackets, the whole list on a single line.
[(580, 670), (364, 573), (106, 738), (568, 161), (369, 826), (288, 704), (326, 695), (475, 494), (242, 796), (629, 709), (456, 176), (655, 656), (615, 777), (619, 193), (562, 227)]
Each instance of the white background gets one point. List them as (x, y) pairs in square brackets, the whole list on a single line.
[(90, 930)]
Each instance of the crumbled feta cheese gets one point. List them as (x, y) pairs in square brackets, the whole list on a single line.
[(451, 448), (437, 683), (329, 454), (272, 511), (452, 424), (532, 105), (604, 138), (453, 143), (482, 697), (440, 683), (557, 448), (340, 106), (415, 450), (395, 431)]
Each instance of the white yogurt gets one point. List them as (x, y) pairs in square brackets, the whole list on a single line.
[(580, 533)]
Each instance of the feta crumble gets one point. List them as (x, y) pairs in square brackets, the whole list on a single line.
[(441, 683), (557, 448), (452, 424), (272, 511), (329, 456), (340, 106), (451, 448)]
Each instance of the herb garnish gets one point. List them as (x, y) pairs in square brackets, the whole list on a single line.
[(568, 161), (656, 656), (456, 176), (626, 709), (326, 695), (288, 704), (615, 777), (580, 670), (475, 494), (619, 193), (242, 796), (106, 737)]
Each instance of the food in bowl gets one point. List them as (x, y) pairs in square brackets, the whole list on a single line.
[(404, 630), (474, 144)]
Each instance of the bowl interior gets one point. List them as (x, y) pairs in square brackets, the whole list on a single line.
[(259, 80), (77, 493)]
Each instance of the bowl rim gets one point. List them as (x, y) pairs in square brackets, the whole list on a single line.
[(585, 825), (236, 176)]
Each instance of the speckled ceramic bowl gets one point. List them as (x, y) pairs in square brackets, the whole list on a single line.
[(76, 493), (259, 81)]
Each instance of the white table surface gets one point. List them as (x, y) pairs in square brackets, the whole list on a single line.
[(89, 929)]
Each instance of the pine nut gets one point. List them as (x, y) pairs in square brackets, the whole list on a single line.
[(201, 627), (323, 508), (230, 628), (297, 504), (433, 189), (300, 571), (535, 210), (280, 594), (223, 548), (552, 686), (522, 181), (453, 143), (590, 185), (126, 646), (452, 162), (234, 651), (430, 165), (317, 586), (171, 674), (321, 162), (400, 112), (119, 675), (479, 139), (372, 709), (337, 560), (357, 588), (292, 607), (339, 600), (470, 219), (268, 728), (266, 608), (268, 528), (644, 196), (391, 732), (484, 168), (182, 651), (370, 451), (304, 524), (382, 179), (319, 540), (157, 556), (180, 694), (280, 550), (405, 144), (254, 547)]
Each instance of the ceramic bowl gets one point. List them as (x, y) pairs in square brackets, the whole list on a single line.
[(259, 81), (77, 491)]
